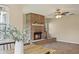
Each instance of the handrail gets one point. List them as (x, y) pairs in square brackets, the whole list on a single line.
[(6, 43)]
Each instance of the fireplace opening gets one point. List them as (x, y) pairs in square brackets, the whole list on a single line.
[(37, 35)]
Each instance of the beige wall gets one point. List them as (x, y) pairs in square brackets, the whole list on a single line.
[(16, 15), (65, 29)]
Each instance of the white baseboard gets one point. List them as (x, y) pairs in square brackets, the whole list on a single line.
[(68, 41)]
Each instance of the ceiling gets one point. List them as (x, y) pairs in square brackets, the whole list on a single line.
[(47, 9)]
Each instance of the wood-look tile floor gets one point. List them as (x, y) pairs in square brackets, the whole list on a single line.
[(62, 47)]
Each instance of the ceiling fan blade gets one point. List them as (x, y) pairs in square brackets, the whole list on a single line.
[(64, 13), (71, 13)]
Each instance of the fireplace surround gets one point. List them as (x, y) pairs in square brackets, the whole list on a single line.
[(37, 35)]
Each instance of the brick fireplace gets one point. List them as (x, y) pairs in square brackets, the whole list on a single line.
[(36, 24)]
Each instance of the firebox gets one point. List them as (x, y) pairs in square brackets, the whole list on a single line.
[(37, 35)]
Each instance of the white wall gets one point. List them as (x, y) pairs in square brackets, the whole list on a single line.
[(16, 15), (65, 29)]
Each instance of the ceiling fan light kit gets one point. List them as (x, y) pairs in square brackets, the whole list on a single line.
[(58, 16)]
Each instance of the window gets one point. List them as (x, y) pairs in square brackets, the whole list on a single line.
[(3, 21)]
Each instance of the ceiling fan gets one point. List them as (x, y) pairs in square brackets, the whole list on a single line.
[(59, 13)]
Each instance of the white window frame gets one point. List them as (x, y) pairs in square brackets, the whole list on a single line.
[(7, 18), (7, 9)]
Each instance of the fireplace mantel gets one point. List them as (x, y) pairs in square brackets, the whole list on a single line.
[(37, 24)]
